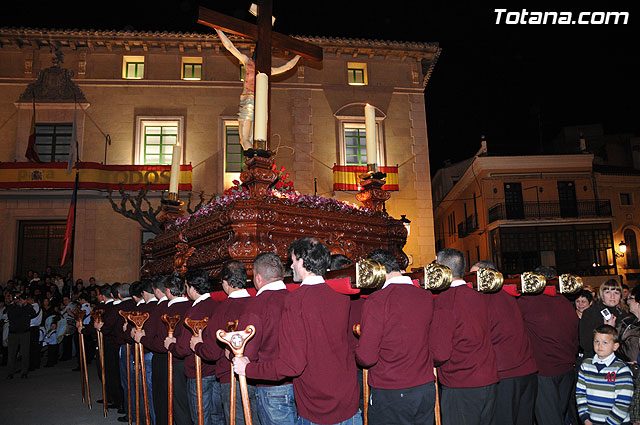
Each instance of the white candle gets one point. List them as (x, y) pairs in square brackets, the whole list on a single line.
[(262, 106), (175, 168), (370, 129)]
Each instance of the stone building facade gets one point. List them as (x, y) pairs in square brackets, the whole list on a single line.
[(124, 86)]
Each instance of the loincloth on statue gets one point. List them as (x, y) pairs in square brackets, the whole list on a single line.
[(245, 112)]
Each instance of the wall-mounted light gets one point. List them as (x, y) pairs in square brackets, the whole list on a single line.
[(407, 223), (622, 246)]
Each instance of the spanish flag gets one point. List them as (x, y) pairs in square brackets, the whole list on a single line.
[(32, 153)]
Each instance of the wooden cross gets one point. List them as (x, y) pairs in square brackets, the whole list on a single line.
[(261, 33), (264, 37)]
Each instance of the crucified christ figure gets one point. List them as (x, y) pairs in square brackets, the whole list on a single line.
[(246, 110)]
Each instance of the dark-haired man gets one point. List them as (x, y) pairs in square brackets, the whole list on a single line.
[(111, 348), (552, 325), (314, 349), (198, 289), (177, 305), (462, 350), (234, 284), (394, 341), (123, 302), (155, 303), (275, 399), (19, 313), (517, 370)]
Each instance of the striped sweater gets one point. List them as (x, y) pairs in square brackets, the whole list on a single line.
[(603, 396)]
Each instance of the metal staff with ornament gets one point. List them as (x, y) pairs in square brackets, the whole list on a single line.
[(197, 327), (97, 318), (237, 341), (171, 322), (138, 319), (124, 315)]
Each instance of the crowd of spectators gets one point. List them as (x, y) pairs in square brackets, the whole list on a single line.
[(51, 329)]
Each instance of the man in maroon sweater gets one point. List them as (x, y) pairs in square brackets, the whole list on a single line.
[(154, 345), (123, 302), (313, 344), (207, 346), (516, 391), (461, 346), (394, 336), (177, 304), (111, 348), (198, 289), (275, 399), (552, 326)]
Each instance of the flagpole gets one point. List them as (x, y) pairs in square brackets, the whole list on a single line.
[(73, 231)]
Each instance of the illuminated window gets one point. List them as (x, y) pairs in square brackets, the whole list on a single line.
[(355, 144), (191, 68), (133, 67), (155, 137), (233, 159), (357, 74)]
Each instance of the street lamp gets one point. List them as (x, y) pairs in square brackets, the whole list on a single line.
[(623, 248)]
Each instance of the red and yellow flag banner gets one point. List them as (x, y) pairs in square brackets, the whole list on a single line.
[(53, 175), (346, 177)]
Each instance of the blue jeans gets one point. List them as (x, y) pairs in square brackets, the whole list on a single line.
[(211, 402), (276, 405), (226, 402), (147, 368), (354, 420)]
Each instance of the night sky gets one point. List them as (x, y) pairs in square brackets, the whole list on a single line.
[(516, 84)]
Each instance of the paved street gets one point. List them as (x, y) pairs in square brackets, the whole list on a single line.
[(51, 396)]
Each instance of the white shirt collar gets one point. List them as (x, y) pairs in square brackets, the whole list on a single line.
[(140, 302), (606, 361), (398, 280), (151, 299), (457, 282), (240, 293), (313, 280), (200, 298), (110, 300), (276, 285), (177, 300), (162, 299)]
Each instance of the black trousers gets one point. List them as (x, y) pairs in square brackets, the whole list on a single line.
[(115, 394), (181, 409), (35, 347), (515, 400), (160, 387), (409, 406), (468, 406), (552, 398)]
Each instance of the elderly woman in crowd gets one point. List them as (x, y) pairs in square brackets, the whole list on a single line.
[(583, 301), (610, 302)]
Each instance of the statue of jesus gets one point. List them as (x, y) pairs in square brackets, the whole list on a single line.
[(247, 98)]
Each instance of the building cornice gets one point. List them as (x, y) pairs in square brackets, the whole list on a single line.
[(163, 40), (514, 166)]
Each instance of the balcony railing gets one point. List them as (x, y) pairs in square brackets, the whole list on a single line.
[(548, 210)]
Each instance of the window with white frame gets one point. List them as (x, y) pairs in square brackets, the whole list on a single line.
[(357, 74), (191, 68), (155, 137), (353, 144), (133, 67)]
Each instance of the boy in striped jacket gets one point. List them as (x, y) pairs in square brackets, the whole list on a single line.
[(605, 383)]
